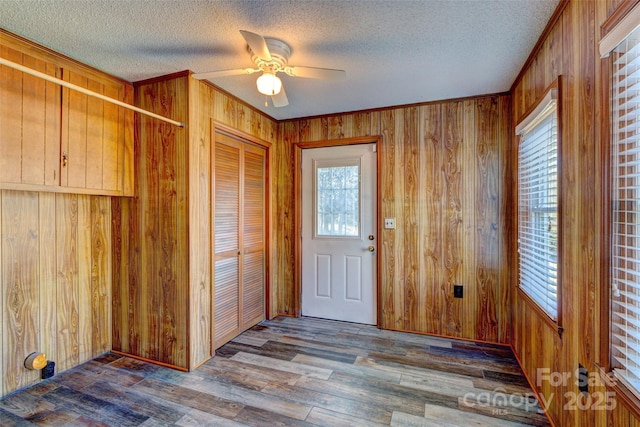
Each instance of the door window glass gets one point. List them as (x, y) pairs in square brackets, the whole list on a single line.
[(337, 198)]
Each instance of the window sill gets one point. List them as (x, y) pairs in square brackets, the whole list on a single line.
[(543, 314), (623, 395)]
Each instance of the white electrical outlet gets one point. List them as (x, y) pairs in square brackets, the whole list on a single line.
[(390, 223)]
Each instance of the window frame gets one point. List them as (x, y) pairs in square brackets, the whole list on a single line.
[(605, 364), (553, 91), (317, 164)]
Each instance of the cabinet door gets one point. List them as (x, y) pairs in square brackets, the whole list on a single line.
[(94, 146), (29, 122), (54, 139), (239, 237)]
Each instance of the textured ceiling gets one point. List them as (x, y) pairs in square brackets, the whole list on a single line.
[(394, 52)]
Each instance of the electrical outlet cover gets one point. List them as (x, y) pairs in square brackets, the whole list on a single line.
[(458, 291), (49, 370)]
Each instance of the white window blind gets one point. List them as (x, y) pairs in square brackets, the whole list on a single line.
[(538, 206), (625, 216)]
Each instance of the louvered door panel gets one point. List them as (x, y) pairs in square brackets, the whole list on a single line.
[(253, 289), (227, 198), (239, 271), (227, 250), (227, 315), (253, 236), (253, 201)]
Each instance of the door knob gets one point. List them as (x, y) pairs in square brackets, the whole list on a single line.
[(371, 248)]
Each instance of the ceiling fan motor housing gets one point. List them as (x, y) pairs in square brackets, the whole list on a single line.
[(271, 56), (280, 53)]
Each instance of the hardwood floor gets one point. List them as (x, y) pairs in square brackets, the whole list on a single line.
[(294, 372)]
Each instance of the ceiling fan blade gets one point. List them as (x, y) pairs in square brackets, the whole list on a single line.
[(258, 44), (316, 73), (280, 100), (223, 73)]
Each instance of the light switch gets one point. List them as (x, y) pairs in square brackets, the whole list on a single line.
[(390, 223)]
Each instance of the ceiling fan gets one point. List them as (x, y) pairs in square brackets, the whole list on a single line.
[(271, 56)]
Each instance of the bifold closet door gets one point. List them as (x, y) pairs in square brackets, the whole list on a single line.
[(239, 237), (253, 236)]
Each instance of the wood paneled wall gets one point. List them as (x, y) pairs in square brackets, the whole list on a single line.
[(55, 249), (570, 49), (441, 175), (151, 287), (201, 107), (162, 303), (55, 273)]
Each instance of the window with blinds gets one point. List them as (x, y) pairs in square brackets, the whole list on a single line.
[(538, 205), (625, 196)]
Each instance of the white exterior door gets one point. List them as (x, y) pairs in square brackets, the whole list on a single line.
[(339, 233)]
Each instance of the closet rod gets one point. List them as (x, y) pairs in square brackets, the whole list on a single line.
[(85, 91)]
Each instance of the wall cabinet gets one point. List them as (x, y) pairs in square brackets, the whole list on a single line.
[(57, 139), (29, 122), (95, 152)]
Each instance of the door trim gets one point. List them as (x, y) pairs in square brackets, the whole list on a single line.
[(297, 214)]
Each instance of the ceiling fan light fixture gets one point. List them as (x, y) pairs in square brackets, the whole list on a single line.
[(269, 84)]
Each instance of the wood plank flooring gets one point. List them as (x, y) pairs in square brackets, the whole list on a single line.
[(294, 372)]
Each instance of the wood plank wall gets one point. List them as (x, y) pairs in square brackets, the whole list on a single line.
[(55, 273), (162, 303), (201, 103), (55, 249), (570, 49), (442, 177), (151, 289)]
